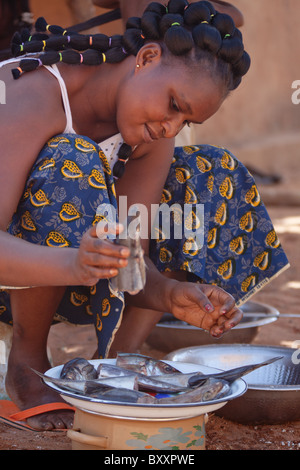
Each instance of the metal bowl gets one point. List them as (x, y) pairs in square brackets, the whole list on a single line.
[(171, 334), (273, 394)]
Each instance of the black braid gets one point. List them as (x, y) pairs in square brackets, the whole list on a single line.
[(180, 25), (124, 153)]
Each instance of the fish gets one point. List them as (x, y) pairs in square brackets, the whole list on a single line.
[(145, 383), (180, 380), (102, 391), (85, 387), (203, 393), (131, 278), (78, 369), (123, 395), (232, 374), (108, 389), (144, 364)]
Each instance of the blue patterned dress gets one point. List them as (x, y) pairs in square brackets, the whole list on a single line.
[(238, 248)]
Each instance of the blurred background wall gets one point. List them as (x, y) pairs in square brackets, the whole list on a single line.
[(258, 122)]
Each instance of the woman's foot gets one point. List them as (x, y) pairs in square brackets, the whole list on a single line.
[(26, 390)]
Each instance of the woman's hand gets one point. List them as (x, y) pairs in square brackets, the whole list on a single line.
[(205, 306), (97, 257)]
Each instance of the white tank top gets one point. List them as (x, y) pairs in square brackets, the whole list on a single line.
[(109, 146)]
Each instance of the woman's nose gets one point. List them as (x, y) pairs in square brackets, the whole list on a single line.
[(172, 127)]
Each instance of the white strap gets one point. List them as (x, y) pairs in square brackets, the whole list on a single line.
[(64, 93)]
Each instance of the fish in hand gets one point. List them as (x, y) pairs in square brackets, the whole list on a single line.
[(131, 278)]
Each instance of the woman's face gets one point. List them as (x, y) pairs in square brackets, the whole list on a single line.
[(157, 100)]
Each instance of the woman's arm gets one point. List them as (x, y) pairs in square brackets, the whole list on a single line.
[(205, 306), (27, 120)]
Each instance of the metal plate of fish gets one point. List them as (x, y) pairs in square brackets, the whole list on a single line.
[(132, 277), (153, 410)]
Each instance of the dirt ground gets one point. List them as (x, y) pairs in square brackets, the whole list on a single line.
[(283, 293)]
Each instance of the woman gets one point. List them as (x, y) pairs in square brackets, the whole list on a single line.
[(173, 67)]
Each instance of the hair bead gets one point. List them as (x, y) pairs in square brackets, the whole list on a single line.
[(17, 72), (175, 24), (104, 57), (81, 58)]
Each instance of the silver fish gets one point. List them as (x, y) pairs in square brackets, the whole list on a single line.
[(78, 369), (87, 386), (123, 395), (145, 383), (180, 380), (144, 364), (207, 392), (102, 391), (131, 278), (232, 374)]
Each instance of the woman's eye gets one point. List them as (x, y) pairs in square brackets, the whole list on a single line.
[(174, 105)]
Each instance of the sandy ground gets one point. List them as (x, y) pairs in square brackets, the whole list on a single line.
[(283, 293)]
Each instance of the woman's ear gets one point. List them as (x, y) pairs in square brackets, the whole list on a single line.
[(148, 54)]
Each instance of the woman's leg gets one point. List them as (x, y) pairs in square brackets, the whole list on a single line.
[(33, 311), (136, 326)]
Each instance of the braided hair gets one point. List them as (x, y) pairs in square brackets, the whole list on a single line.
[(195, 32)]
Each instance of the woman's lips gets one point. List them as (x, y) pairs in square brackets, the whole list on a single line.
[(149, 135)]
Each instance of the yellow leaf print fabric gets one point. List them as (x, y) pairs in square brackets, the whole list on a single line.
[(241, 251), (71, 178), (69, 181)]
